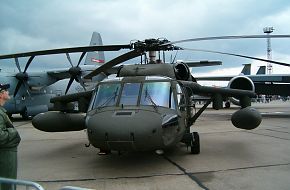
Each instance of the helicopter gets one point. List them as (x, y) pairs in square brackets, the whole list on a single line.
[(145, 107)]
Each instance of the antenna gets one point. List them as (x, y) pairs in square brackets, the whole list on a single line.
[(268, 31)]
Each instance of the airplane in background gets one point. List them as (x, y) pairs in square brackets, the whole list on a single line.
[(260, 83), (261, 70), (247, 70), (31, 91)]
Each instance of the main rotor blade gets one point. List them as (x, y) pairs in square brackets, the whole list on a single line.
[(227, 38), (113, 62), (68, 50), (239, 55)]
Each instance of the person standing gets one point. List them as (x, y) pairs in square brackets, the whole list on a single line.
[(9, 140)]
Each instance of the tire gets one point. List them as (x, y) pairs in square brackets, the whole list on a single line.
[(195, 144), (227, 105), (24, 116)]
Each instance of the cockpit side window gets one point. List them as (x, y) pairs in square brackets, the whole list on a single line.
[(172, 102), (107, 95), (180, 97), (130, 94)]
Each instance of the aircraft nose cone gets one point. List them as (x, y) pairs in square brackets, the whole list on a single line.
[(125, 130)]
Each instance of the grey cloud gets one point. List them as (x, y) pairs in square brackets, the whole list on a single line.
[(32, 25)]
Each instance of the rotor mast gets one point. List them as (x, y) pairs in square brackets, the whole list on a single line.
[(268, 31), (152, 56)]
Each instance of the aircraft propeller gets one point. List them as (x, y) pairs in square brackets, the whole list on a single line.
[(75, 72), (22, 77)]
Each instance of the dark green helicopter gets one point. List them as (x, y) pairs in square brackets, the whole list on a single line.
[(146, 106)]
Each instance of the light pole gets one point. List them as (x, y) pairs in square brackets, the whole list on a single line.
[(268, 31)]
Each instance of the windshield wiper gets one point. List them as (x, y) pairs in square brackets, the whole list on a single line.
[(109, 99), (147, 95)]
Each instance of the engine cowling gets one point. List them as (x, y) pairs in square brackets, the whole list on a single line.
[(182, 71), (242, 83)]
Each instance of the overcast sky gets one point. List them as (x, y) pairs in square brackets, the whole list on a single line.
[(35, 25)]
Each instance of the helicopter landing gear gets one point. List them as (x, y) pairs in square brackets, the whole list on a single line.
[(194, 144), (227, 104), (104, 152), (192, 141)]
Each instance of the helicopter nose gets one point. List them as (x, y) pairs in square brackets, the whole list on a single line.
[(125, 130)]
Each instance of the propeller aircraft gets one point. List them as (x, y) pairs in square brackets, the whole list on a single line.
[(144, 107), (33, 90)]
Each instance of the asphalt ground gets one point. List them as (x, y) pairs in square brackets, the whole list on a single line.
[(230, 158)]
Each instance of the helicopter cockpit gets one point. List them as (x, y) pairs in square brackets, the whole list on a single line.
[(151, 91)]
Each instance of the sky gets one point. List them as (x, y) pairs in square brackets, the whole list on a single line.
[(37, 25)]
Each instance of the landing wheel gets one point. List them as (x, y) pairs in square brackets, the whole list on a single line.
[(227, 105), (104, 152), (195, 145), (24, 115)]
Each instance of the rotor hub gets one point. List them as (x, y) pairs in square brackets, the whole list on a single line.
[(154, 45), (22, 76), (75, 71)]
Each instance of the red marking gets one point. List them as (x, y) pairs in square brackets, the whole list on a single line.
[(97, 60)]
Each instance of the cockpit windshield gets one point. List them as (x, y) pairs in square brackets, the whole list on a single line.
[(130, 94), (107, 95), (134, 94)]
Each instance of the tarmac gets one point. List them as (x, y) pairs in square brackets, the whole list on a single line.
[(230, 158)]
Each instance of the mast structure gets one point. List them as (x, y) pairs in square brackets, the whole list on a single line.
[(268, 31)]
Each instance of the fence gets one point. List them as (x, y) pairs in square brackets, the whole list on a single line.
[(28, 185)]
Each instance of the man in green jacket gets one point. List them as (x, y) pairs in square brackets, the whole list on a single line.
[(9, 140)]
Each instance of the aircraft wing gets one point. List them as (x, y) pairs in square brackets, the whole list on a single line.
[(275, 84), (59, 74), (217, 95), (215, 78), (63, 103), (278, 78), (272, 89), (210, 91), (201, 63)]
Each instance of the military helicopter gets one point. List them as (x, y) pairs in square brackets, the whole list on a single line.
[(146, 106)]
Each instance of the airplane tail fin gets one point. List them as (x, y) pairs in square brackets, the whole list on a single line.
[(261, 71), (95, 57), (247, 69)]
